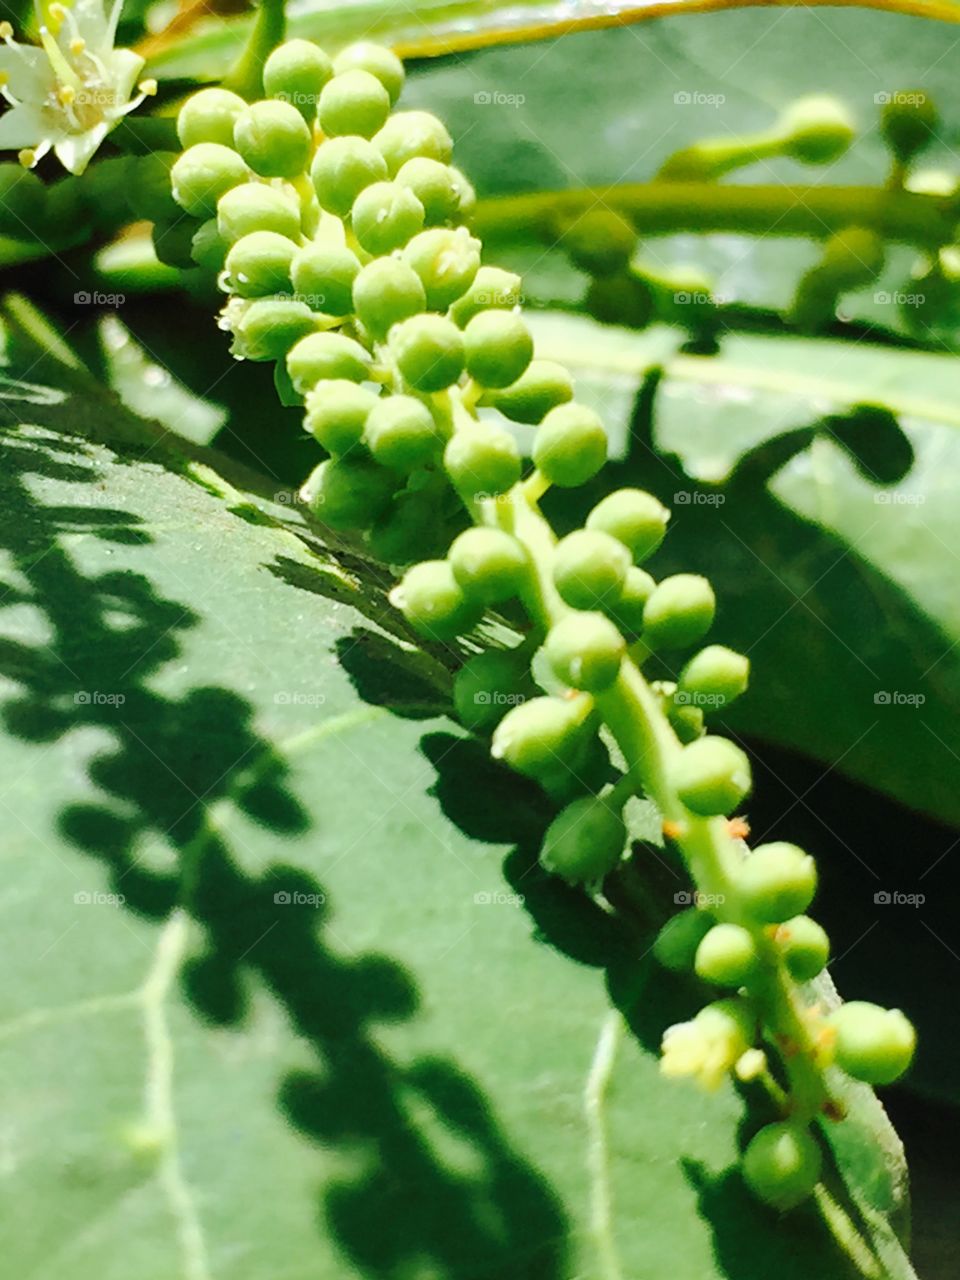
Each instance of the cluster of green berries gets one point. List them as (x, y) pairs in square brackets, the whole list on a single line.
[(339, 229)]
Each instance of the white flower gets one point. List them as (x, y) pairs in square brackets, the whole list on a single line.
[(708, 1047), (69, 91)]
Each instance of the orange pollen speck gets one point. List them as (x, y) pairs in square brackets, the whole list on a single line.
[(673, 830), (739, 828)]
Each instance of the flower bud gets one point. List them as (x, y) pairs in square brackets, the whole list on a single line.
[(353, 103), (711, 776), (570, 446), (273, 138), (585, 841), (341, 169)]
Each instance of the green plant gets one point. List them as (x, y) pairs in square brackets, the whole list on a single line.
[(432, 359)]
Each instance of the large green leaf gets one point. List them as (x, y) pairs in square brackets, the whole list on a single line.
[(287, 993)]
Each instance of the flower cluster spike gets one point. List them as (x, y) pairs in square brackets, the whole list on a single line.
[(339, 231)]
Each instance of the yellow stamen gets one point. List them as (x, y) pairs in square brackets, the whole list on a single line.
[(28, 158), (6, 30), (67, 94), (4, 79), (149, 87), (77, 46), (56, 14)]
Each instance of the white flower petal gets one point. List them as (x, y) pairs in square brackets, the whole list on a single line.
[(24, 126), (124, 66), (28, 72), (76, 149)]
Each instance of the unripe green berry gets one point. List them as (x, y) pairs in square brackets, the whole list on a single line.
[(269, 327), (679, 612), (408, 529), (537, 736), (627, 609), (488, 683), (804, 946), (570, 446), (296, 72), (492, 288), (353, 103), (202, 174), (816, 130), (715, 674), (873, 1044), (413, 133), (776, 882), (209, 116), (482, 460), (498, 348), (852, 257), (711, 776), (428, 350), (585, 651), (544, 385), (634, 517), (601, 242), (337, 412), (622, 299), (401, 433), (326, 355), (209, 249), (385, 292), (273, 138), (585, 841), (676, 944), (341, 169), (687, 722), (253, 206), (490, 565), (590, 569), (908, 123), (379, 61), (446, 262), (348, 493), (782, 1165), (385, 216), (726, 956), (259, 264), (323, 276), (436, 186), (432, 602)]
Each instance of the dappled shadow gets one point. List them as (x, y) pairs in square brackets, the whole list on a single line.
[(173, 772)]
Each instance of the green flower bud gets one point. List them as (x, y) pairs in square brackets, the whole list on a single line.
[(446, 262), (437, 187), (622, 299), (401, 433), (428, 351), (378, 61), (627, 610), (323, 276), (490, 565), (385, 216), (804, 946), (711, 776), (288, 397), (776, 882), (491, 289), (909, 123), (173, 242), (385, 292), (590, 568), (570, 446), (209, 249), (341, 169), (209, 116), (677, 942), (273, 138), (498, 348), (585, 841), (413, 133), (326, 355), (726, 956), (537, 736), (486, 684), (253, 206), (782, 1164), (679, 612), (296, 72), (202, 174), (601, 242), (407, 529), (337, 411), (585, 651), (715, 674), (268, 328), (873, 1044), (687, 722), (432, 602), (482, 460), (852, 257), (544, 385), (259, 264), (816, 130), (348, 493), (353, 103), (635, 518)]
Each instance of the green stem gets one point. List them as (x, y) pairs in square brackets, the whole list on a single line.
[(246, 75)]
